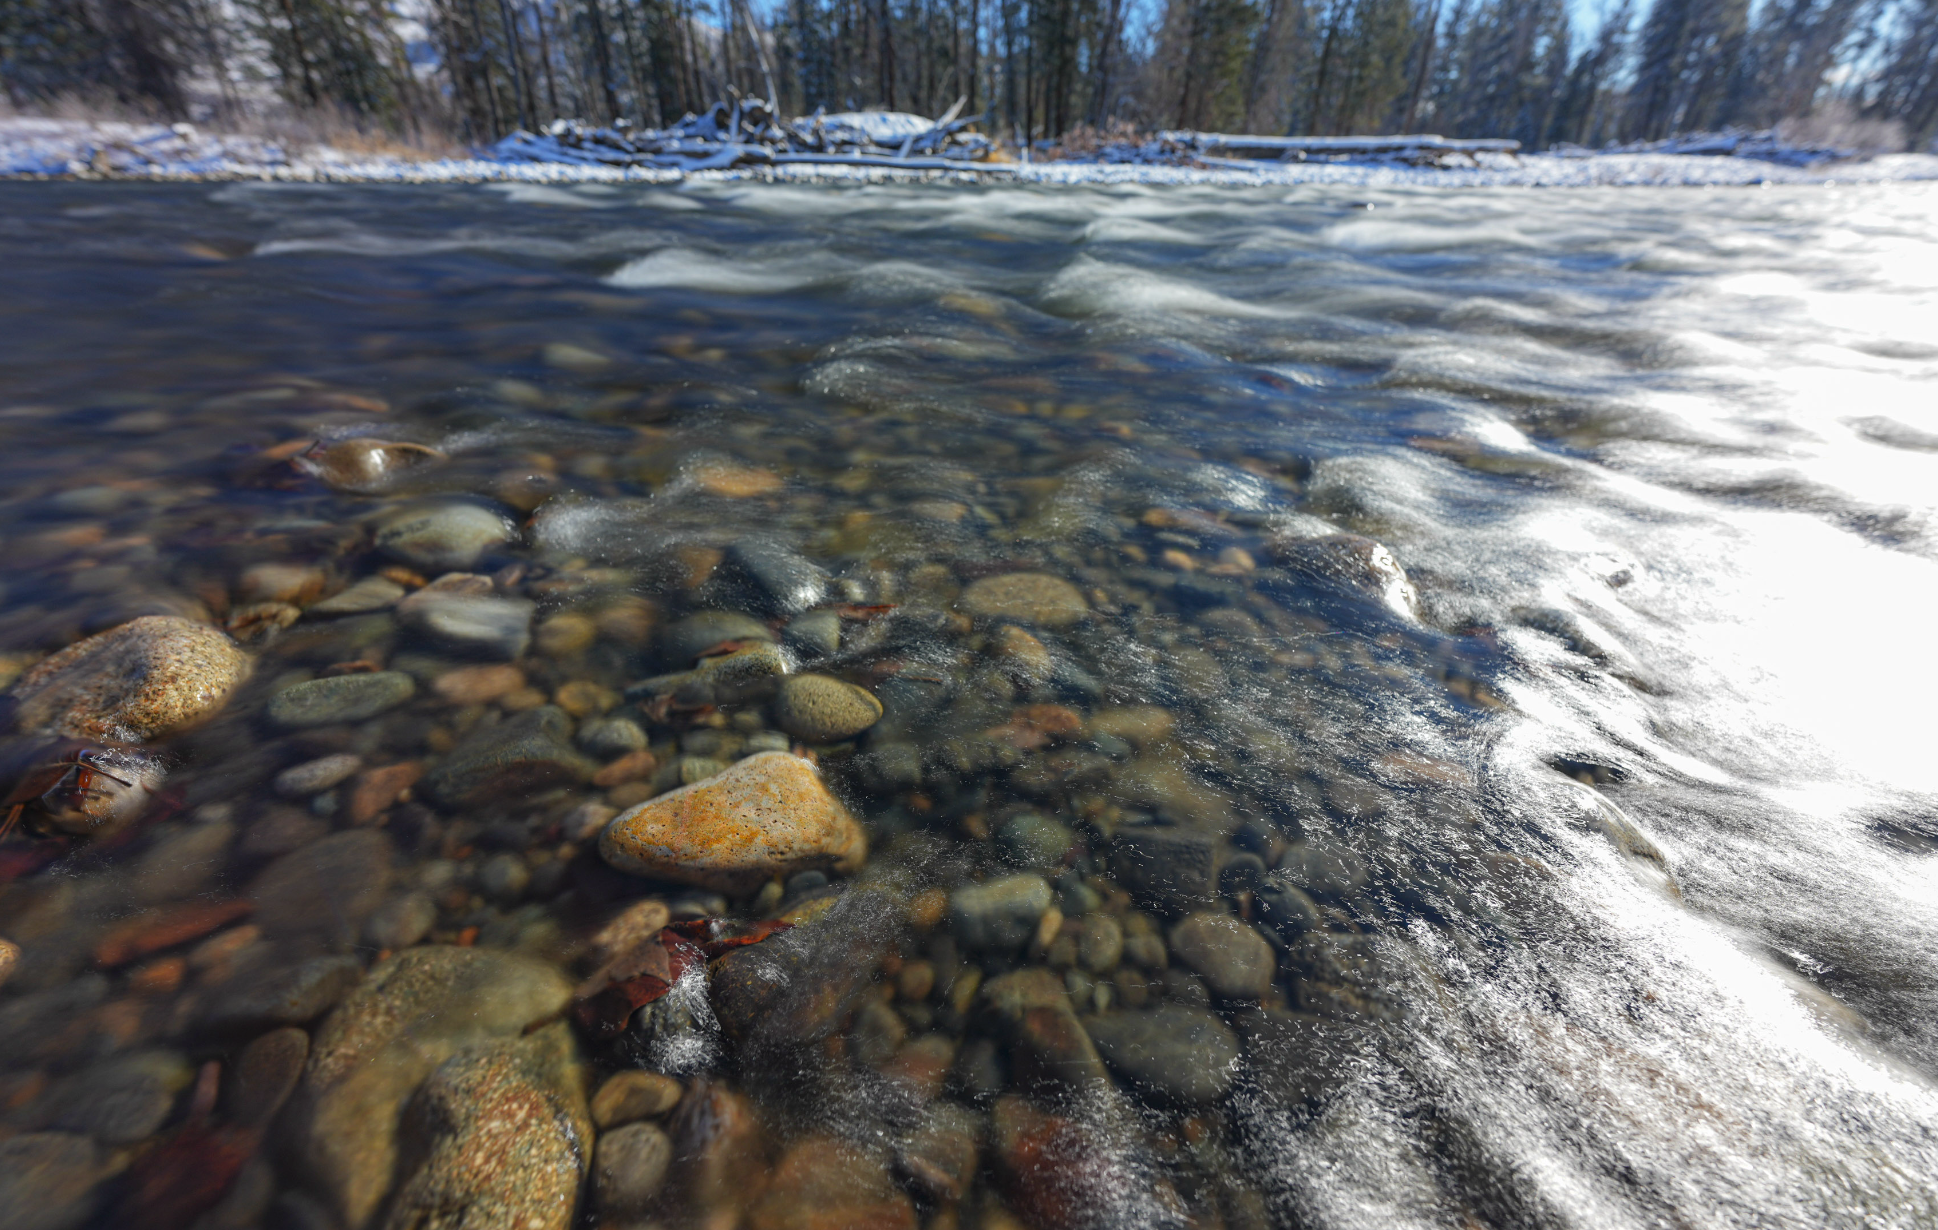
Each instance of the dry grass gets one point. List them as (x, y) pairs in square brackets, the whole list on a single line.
[(293, 128), (1838, 123)]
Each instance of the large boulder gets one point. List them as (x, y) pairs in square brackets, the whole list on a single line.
[(148, 678), (413, 1012), (497, 1139)]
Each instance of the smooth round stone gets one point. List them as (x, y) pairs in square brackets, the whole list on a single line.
[(768, 815), (610, 737), (523, 755), (633, 1094), (504, 878), (400, 922), (629, 1168), (344, 698), (1034, 840), (367, 595), (817, 633), (1181, 1053), (1235, 961), (1100, 946), (688, 638), (316, 776), (146, 679), (481, 627), (999, 914), (823, 709), (364, 465), (1031, 597), (442, 537)]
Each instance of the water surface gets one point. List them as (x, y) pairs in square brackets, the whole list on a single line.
[(1660, 463)]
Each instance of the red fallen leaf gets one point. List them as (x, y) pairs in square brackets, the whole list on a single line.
[(647, 971), (861, 612), (174, 1183)]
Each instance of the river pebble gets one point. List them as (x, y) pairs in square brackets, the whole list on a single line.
[(295, 995), (1235, 961), (1183, 1055), (441, 537), (368, 595), (147, 679), (1029, 597), (123, 1099), (341, 698), (685, 640), (477, 626), (632, 1095), (316, 776), (51, 1180), (519, 756), (629, 1169), (775, 578), (1000, 914), (768, 815), (823, 709), (401, 921), (815, 634)]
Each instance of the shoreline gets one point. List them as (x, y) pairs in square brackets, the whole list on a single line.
[(74, 150)]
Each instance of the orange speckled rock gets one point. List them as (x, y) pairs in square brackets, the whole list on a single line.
[(148, 678), (768, 815)]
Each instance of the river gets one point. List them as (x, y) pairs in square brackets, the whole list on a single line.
[(1609, 830)]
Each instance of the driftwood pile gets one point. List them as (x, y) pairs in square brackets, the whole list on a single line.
[(748, 132)]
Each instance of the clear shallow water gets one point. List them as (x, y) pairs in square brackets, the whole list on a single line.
[(1660, 463)]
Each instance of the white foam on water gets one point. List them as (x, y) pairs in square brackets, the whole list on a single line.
[(692, 269)]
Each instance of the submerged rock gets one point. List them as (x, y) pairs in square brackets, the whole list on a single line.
[(1000, 914), (367, 595), (147, 679), (503, 1136), (475, 625), (50, 1180), (364, 465), (629, 1169), (441, 537), (1180, 1053), (321, 895), (776, 578), (413, 1012), (1048, 1044), (687, 639), (1029, 597), (765, 816), (798, 987), (342, 698), (823, 709), (1353, 563), (1068, 1173), (1235, 961), (1174, 868), (822, 1183), (519, 756)]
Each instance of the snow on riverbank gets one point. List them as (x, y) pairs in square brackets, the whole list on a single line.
[(35, 148)]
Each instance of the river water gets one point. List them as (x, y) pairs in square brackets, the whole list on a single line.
[(1632, 917)]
